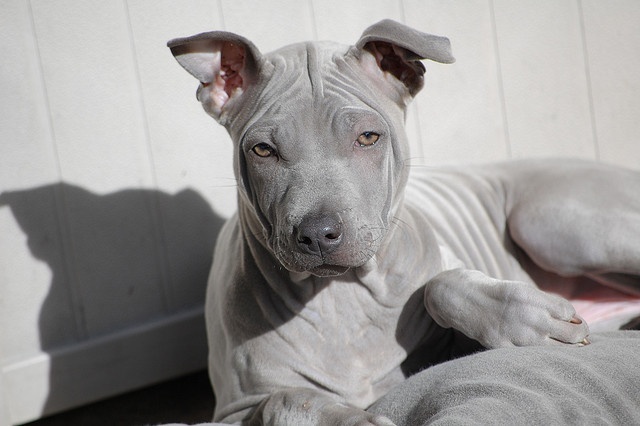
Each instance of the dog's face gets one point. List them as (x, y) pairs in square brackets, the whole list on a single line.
[(318, 130), (322, 163)]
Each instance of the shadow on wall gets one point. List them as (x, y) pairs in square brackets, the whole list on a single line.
[(118, 261)]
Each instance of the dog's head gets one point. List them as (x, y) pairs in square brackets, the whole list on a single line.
[(320, 148)]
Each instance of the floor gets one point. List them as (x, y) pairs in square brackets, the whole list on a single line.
[(186, 400)]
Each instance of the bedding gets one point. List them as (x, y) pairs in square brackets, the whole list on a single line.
[(595, 384), (543, 385)]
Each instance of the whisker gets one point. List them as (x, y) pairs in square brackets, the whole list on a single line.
[(421, 166), (224, 182), (399, 222), (408, 159)]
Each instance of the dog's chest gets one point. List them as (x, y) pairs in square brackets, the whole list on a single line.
[(351, 343)]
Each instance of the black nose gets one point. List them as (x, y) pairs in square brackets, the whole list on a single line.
[(319, 235)]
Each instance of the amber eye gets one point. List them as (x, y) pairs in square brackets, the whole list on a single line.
[(367, 139), (263, 150)]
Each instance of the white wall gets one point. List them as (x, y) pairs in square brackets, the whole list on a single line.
[(115, 183)]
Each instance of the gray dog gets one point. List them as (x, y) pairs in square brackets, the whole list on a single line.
[(340, 274)]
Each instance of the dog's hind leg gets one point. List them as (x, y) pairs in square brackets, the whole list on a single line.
[(578, 218)]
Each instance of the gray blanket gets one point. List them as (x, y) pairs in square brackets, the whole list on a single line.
[(550, 385), (595, 384)]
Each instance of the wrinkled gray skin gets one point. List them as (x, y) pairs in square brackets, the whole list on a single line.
[(335, 271)]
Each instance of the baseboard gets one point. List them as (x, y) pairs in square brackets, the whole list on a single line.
[(99, 368)]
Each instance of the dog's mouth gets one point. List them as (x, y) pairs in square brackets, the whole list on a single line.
[(331, 266), (326, 270), (321, 266)]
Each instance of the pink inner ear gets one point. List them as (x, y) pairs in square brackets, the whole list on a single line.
[(231, 65), (393, 59)]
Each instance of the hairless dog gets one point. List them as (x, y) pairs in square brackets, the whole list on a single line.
[(342, 272)]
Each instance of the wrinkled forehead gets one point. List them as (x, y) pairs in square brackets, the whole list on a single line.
[(305, 82), (302, 68)]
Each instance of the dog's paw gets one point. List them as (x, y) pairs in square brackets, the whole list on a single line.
[(302, 406), (500, 313), (345, 415), (528, 316)]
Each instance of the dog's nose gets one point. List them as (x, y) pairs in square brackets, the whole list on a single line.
[(319, 235)]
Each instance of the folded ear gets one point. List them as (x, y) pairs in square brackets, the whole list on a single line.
[(224, 63), (398, 50)]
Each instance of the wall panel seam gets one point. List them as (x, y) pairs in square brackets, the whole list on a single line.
[(153, 202), (587, 71), (221, 12), (415, 110), (61, 205), (403, 15), (314, 23), (501, 92)]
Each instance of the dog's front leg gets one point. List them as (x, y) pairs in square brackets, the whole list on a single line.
[(302, 406), (500, 313)]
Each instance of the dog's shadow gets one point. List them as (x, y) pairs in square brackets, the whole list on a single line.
[(117, 260)]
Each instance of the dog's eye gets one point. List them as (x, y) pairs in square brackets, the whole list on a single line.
[(263, 150), (367, 139)]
